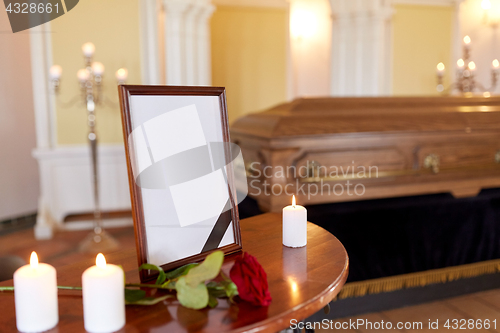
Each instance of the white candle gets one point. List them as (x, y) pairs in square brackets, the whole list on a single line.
[(472, 66), (82, 75), (55, 72), (35, 294), (97, 68), (103, 297), (121, 75), (294, 225), (88, 49), (495, 64), (467, 41), (440, 69)]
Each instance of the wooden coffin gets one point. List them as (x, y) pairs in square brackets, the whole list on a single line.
[(406, 146)]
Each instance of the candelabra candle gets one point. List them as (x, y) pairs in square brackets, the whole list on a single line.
[(440, 74), (495, 64)]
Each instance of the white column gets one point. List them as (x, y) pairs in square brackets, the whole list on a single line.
[(204, 50), (44, 107), (192, 45), (360, 47), (150, 66), (175, 40), (43, 96), (187, 41)]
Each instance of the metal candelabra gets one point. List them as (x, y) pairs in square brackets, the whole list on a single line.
[(90, 79), (466, 82)]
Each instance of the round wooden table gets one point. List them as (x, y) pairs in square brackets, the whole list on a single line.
[(301, 281)]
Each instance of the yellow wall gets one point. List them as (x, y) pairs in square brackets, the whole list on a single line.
[(249, 57), (422, 37), (113, 26)]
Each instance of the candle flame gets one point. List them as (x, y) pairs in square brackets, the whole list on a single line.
[(496, 63), (33, 260), (460, 63), (472, 65), (293, 201), (467, 40), (440, 67), (121, 74), (100, 261), (294, 286)]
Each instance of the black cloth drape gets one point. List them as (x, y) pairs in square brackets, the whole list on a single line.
[(403, 235)]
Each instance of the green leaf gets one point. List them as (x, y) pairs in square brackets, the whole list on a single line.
[(168, 285), (231, 289), (133, 295), (222, 289), (207, 270), (191, 297), (161, 277), (178, 272), (216, 291), (213, 284), (212, 301), (150, 300)]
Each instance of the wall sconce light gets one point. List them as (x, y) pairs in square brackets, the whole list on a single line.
[(303, 24), (491, 12)]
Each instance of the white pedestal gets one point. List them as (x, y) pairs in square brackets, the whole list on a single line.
[(66, 187)]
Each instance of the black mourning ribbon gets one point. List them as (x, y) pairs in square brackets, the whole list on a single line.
[(218, 230)]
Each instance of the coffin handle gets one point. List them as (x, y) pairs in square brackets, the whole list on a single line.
[(431, 161)]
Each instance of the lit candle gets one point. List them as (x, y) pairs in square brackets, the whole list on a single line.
[(472, 66), (121, 75), (55, 72), (460, 63), (440, 69), (103, 297), (467, 41), (97, 68), (495, 64), (82, 75), (35, 294), (294, 225), (88, 49)]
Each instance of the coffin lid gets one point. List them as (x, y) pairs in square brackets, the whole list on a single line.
[(330, 115)]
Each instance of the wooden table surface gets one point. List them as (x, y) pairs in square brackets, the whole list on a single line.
[(301, 281)]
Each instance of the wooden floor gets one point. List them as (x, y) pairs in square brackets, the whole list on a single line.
[(62, 250)]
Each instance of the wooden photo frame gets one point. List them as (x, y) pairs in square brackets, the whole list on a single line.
[(179, 166)]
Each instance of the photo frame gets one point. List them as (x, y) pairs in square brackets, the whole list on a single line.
[(179, 160)]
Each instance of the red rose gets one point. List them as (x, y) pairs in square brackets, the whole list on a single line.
[(251, 280)]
